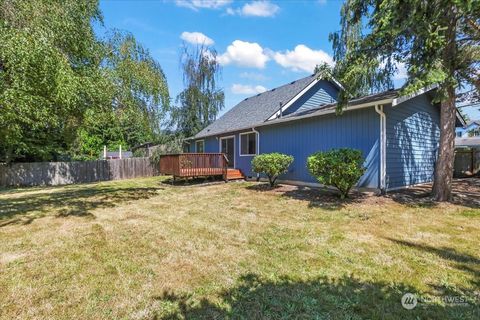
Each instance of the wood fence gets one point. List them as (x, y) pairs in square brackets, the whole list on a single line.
[(59, 173), (467, 163)]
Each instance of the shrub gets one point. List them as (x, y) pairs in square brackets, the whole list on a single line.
[(169, 145), (340, 168), (272, 165)]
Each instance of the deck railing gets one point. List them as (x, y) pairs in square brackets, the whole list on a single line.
[(194, 164)]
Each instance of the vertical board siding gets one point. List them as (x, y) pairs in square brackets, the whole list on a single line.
[(359, 129), (60, 173), (323, 92), (212, 145), (412, 142)]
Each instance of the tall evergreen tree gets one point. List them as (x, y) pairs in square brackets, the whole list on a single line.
[(202, 99), (438, 41)]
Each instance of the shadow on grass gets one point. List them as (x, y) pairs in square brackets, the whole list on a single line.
[(70, 202), (316, 197), (320, 298), (461, 261), (465, 192), (185, 182)]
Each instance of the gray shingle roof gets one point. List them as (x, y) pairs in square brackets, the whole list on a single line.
[(469, 123), (256, 109), (467, 142)]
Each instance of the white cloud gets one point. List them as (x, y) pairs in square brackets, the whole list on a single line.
[(302, 58), (196, 38), (253, 76), (261, 8), (247, 89), (401, 71), (245, 54), (202, 4)]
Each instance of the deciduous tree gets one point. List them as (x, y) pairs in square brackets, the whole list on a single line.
[(202, 99)]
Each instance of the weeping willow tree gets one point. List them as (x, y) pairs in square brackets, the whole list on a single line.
[(138, 99), (438, 42), (201, 101)]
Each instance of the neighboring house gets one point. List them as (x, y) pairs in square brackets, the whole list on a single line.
[(471, 142), (469, 104), (147, 148), (470, 130), (116, 155), (398, 135)]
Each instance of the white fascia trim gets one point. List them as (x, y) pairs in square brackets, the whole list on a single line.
[(316, 114), (292, 101), (401, 99), (234, 145), (203, 142), (240, 144)]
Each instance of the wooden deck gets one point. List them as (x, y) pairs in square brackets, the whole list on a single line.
[(192, 165)]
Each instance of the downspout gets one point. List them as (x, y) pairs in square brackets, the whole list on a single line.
[(257, 148), (383, 148)]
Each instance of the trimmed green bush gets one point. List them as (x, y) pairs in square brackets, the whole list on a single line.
[(272, 165), (340, 168)]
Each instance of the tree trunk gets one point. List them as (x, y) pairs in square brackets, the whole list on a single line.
[(442, 186)]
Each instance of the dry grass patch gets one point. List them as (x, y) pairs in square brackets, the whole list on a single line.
[(142, 249)]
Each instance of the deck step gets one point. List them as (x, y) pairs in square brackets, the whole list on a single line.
[(234, 174)]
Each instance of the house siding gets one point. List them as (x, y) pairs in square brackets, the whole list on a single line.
[(212, 145), (359, 129), (323, 92), (413, 134), (467, 131)]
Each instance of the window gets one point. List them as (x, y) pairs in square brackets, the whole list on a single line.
[(200, 146), (459, 134), (248, 144)]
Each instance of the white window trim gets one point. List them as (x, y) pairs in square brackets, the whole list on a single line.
[(203, 142), (240, 144), (234, 146)]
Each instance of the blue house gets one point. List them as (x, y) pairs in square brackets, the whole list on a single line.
[(398, 135), (469, 130)]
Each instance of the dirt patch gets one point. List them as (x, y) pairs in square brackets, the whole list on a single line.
[(466, 192), (7, 257)]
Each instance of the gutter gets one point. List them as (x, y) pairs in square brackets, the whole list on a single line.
[(258, 147), (383, 147), (311, 115)]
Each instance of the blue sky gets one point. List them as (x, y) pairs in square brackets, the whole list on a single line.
[(261, 44)]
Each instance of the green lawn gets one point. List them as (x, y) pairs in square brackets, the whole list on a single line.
[(143, 249)]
